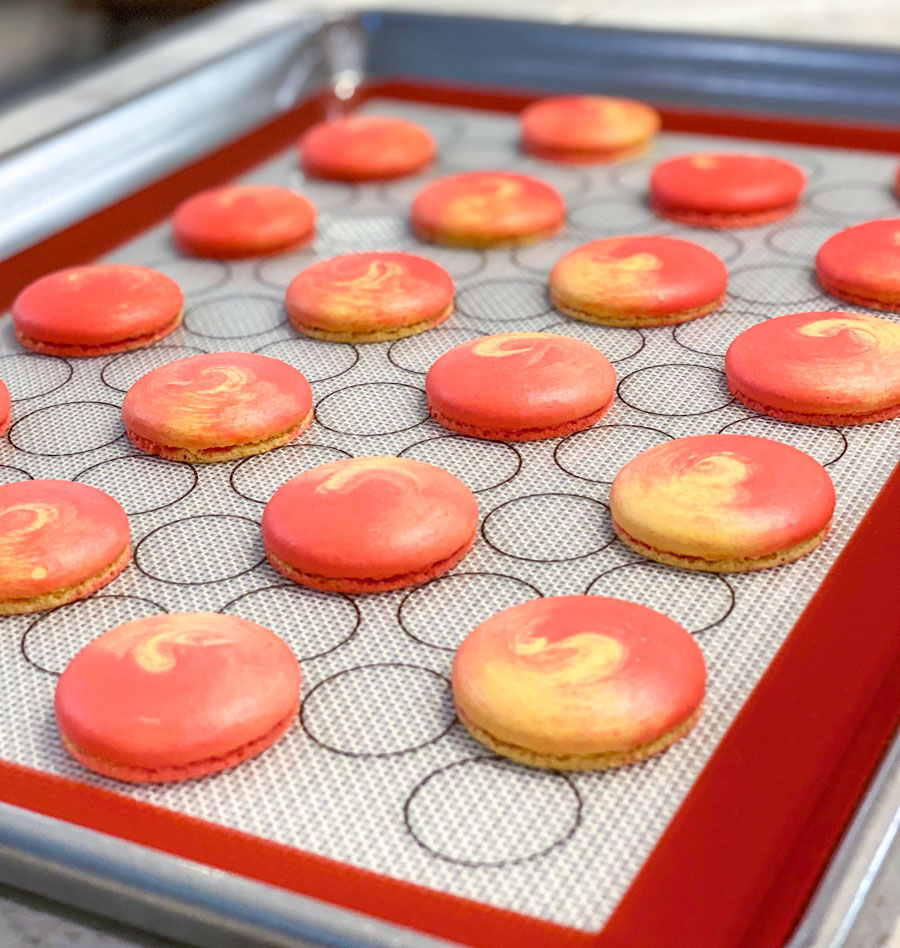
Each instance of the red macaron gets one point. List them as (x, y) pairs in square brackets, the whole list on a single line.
[(5, 408), (862, 264)]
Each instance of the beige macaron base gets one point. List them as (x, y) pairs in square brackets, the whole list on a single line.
[(808, 418), (887, 302), (481, 242), (230, 452), (600, 761), (724, 565), (59, 597), (586, 156), (623, 318), (377, 335), (84, 350)]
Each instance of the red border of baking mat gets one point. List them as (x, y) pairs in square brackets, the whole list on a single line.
[(740, 858)]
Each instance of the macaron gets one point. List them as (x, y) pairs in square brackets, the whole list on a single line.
[(366, 525), (243, 221), (818, 368), (583, 129), (5, 408), (487, 209), (369, 297), (520, 386), (365, 148), (174, 696), (217, 407), (725, 191), (862, 264), (722, 503), (638, 281), (59, 541), (97, 310), (578, 682)]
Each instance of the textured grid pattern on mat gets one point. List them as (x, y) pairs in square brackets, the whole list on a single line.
[(377, 772)]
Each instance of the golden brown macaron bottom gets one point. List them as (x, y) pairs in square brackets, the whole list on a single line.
[(482, 241), (617, 316), (887, 301), (85, 350), (375, 335), (811, 418), (721, 220)]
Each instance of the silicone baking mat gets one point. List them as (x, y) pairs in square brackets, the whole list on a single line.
[(377, 772)]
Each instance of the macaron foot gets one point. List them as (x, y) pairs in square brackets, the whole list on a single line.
[(733, 565), (582, 761), (230, 452), (80, 351), (521, 434), (379, 335), (623, 319), (802, 418), (724, 221), (891, 304), (59, 597), (363, 586)]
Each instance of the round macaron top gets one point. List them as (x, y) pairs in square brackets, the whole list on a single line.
[(217, 400), (363, 292), (520, 380), (55, 534), (578, 675), (365, 147), (722, 496), (487, 205), (863, 261), (179, 689), (96, 305), (240, 221), (5, 406), (587, 127), (826, 363), (369, 518), (726, 184), (652, 276)]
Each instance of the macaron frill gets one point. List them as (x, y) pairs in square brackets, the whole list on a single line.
[(247, 221), (585, 129), (365, 148), (97, 310), (369, 297), (370, 524), (862, 265), (174, 696), (217, 407), (727, 190), (487, 209), (59, 541), (822, 368), (722, 503), (638, 281), (520, 386), (578, 682), (5, 408)]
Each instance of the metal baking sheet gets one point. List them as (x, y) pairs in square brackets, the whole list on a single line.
[(377, 772)]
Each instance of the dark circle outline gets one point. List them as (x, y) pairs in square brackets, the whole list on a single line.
[(758, 416), (422, 247), (671, 414), (123, 457), (515, 251), (21, 470), (669, 229), (39, 355), (437, 579), (776, 266), (296, 175), (379, 434), (294, 338), (290, 444), (568, 322), (509, 164), (297, 586), (188, 258), (121, 355), (206, 582), (65, 454), (604, 201), (481, 490), (643, 563), (474, 286), (768, 239), (591, 480), (717, 355), (434, 329), (262, 281), (231, 296), (576, 823), (620, 168), (355, 754), (49, 612), (338, 249), (810, 199), (549, 493)]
